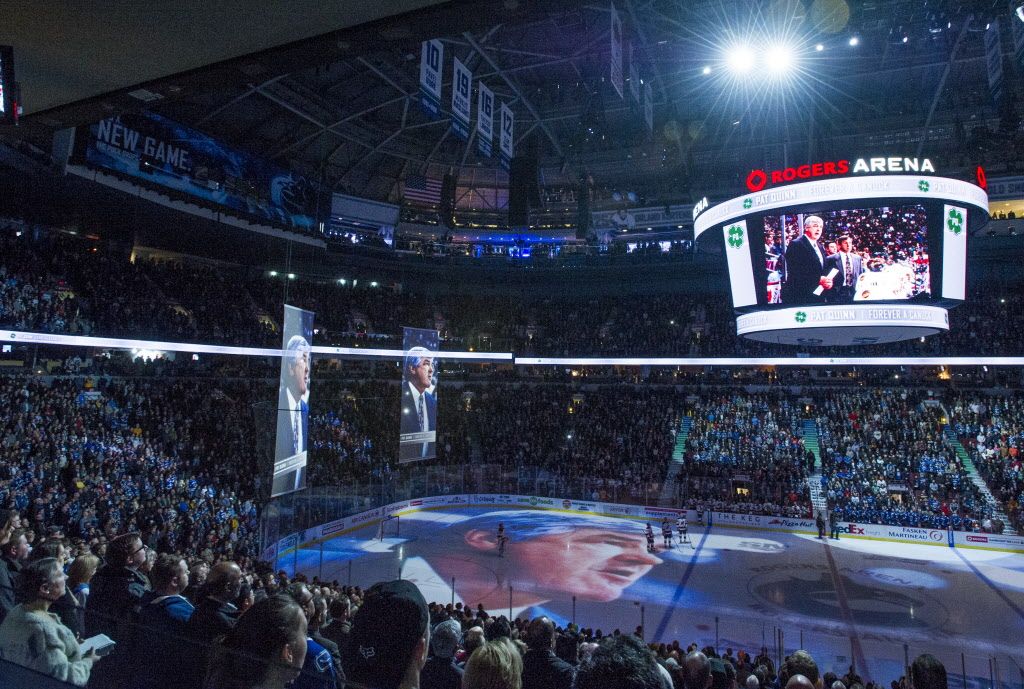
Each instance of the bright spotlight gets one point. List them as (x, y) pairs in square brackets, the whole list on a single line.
[(706, 71), (779, 59), (1020, 12), (854, 41), (819, 47), (740, 59), (906, 38)]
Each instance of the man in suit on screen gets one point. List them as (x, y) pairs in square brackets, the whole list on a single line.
[(805, 266), (419, 402), (293, 414), (849, 266)]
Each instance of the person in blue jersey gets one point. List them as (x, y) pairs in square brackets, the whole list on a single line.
[(318, 670)]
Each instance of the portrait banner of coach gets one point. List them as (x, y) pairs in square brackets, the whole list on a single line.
[(418, 423), (293, 402)]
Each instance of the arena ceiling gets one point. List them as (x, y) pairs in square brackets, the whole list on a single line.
[(342, 106)]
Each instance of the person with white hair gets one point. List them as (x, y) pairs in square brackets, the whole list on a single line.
[(805, 266), (419, 405), (293, 415)]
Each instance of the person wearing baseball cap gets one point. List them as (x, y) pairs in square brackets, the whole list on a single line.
[(390, 637)]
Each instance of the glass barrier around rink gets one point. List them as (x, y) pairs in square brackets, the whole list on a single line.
[(296, 512)]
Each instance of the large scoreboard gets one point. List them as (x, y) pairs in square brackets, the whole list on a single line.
[(848, 251)]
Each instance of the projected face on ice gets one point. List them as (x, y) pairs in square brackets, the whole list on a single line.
[(592, 558)]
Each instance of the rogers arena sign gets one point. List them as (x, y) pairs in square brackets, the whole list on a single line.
[(829, 191), (759, 179)]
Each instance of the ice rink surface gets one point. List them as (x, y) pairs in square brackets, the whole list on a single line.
[(850, 601)]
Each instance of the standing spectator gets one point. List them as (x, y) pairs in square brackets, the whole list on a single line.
[(162, 628), (197, 580), (542, 669), (926, 672), (390, 637), (13, 554), (213, 617), (318, 669), (340, 627), (441, 672), (32, 636), (264, 650), (117, 589), (495, 665), (81, 572), (622, 662), (696, 670)]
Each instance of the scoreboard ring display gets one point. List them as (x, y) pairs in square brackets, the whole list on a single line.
[(879, 255)]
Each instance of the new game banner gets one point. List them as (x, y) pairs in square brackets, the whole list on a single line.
[(150, 147), (292, 442), (418, 424)]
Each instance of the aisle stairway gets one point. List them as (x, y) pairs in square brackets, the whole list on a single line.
[(972, 471), (810, 436), (668, 489)]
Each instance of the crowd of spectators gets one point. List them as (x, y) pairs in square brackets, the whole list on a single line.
[(886, 460), (744, 453), (992, 430), (209, 622), (62, 283)]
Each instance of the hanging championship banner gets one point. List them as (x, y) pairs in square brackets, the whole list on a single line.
[(616, 51), (648, 107), (462, 87), (507, 123), (634, 76), (418, 424), (994, 60), (484, 120), (430, 77)]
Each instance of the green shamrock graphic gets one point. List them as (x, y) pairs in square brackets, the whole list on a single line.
[(800, 316), (955, 222), (922, 185), (747, 203), (735, 236)]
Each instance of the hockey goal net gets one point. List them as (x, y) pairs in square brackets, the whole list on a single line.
[(388, 527)]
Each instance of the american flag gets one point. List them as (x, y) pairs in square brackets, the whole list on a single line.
[(420, 189)]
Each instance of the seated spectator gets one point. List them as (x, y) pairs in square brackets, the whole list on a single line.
[(542, 669), (623, 662), (441, 672), (32, 636), (494, 665), (265, 650), (390, 637)]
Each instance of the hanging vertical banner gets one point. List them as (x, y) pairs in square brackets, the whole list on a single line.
[(994, 60), (648, 107), (418, 427), (1018, 38), (616, 51), (293, 403), (507, 123), (431, 61), (462, 87), (634, 76), (484, 120)]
